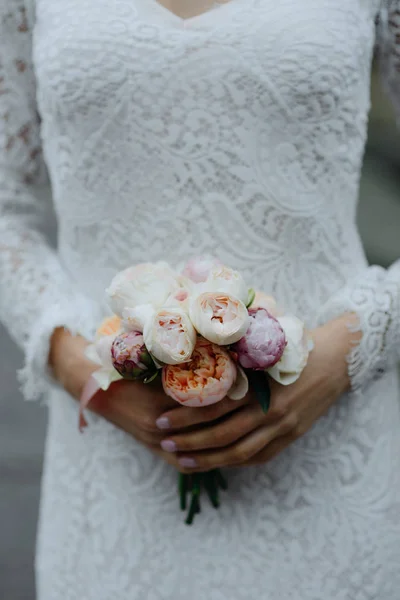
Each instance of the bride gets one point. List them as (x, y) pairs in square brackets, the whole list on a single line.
[(169, 129)]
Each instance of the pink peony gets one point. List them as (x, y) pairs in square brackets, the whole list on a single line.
[(197, 269), (206, 379), (264, 342), (130, 357)]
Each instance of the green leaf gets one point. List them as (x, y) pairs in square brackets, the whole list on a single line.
[(146, 359), (150, 378), (250, 298), (259, 382)]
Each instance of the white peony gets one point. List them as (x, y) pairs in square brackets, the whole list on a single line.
[(146, 283), (223, 279), (170, 336), (219, 317), (294, 358)]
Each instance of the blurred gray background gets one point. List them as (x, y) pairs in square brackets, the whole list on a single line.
[(23, 425)]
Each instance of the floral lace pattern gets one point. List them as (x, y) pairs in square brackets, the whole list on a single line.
[(374, 294), (238, 133), (36, 294)]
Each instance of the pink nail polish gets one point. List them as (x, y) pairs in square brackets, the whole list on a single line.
[(189, 463), (163, 423), (169, 446)]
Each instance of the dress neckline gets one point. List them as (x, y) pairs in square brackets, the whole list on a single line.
[(157, 11)]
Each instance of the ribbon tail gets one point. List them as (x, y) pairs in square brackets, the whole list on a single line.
[(90, 389)]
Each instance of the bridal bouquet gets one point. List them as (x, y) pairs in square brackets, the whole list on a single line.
[(206, 334)]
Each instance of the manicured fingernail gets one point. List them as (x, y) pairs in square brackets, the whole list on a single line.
[(169, 446), (162, 423), (189, 463)]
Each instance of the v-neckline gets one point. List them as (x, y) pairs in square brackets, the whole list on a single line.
[(198, 20)]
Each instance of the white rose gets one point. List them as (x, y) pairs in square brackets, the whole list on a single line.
[(222, 279), (170, 336), (180, 298), (135, 319), (146, 283), (219, 317), (289, 368)]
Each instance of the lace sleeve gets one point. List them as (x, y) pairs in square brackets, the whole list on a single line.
[(388, 47), (374, 295), (35, 293)]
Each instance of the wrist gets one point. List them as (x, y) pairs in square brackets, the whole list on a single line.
[(68, 362), (338, 338)]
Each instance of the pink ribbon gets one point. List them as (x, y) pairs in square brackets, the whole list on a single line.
[(90, 389)]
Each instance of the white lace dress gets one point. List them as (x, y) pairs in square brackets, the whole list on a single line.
[(238, 133)]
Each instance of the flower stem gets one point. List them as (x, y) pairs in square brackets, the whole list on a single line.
[(194, 505), (183, 485), (210, 484), (221, 481)]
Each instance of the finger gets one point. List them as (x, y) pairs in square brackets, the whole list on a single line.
[(270, 451), (238, 453), (117, 406), (169, 458), (128, 426), (185, 416), (217, 435)]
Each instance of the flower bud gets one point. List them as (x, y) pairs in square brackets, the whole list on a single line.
[(264, 342), (130, 356)]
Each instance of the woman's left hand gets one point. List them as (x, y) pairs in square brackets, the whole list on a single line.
[(247, 436)]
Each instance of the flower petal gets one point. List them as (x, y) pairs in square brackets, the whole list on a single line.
[(89, 391), (223, 279), (105, 377), (135, 319), (92, 354), (170, 336), (281, 376), (241, 385)]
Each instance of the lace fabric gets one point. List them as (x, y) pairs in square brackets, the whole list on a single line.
[(152, 153), (36, 293), (374, 294)]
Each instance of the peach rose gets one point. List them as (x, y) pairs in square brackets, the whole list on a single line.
[(208, 378), (110, 326)]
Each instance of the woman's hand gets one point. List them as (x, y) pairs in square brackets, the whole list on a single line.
[(131, 406), (247, 436), (134, 407)]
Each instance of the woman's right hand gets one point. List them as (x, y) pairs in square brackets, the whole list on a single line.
[(131, 406), (134, 407)]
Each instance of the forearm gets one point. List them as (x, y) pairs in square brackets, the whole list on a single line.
[(373, 296), (67, 361)]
